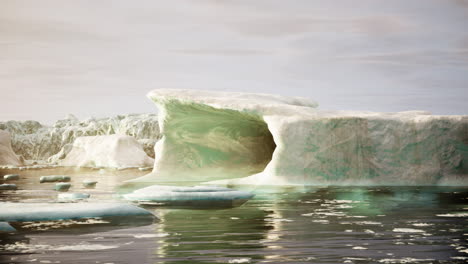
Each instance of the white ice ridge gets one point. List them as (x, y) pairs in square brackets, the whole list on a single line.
[(107, 151), (24, 212), (273, 140), (7, 155)]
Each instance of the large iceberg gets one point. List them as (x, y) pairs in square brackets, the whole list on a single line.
[(35, 141), (271, 140), (107, 151), (7, 155)]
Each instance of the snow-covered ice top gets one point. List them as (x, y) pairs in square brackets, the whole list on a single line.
[(256, 102)]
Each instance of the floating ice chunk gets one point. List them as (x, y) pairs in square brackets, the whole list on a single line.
[(239, 260), (33, 248), (89, 183), (151, 235), (54, 178), (62, 186), (145, 168), (422, 224), (6, 228), (454, 215), (404, 260), (11, 177), (24, 212), (359, 248), (8, 186), (197, 195), (72, 196), (321, 221), (408, 230)]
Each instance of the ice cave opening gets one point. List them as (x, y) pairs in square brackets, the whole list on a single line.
[(201, 142)]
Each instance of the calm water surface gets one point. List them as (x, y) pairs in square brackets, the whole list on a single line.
[(282, 225)]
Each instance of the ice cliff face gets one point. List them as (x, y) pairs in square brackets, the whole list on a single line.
[(107, 151), (37, 142), (7, 155), (263, 139)]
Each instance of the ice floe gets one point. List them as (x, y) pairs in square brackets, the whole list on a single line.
[(20, 212), (185, 195)]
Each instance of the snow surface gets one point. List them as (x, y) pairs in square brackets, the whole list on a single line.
[(24, 212), (7, 155), (258, 139), (107, 151)]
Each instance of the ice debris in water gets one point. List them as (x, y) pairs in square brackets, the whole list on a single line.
[(151, 235), (21, 212), (89, 183), (62, 186), (11, 177), (72, 196), (6, 228), (159, 193), (32, 248), (239, 260), (8, 186), (404, 260), (454, 215), (47, 225), (145, 168), (408, 230), (54, 178)]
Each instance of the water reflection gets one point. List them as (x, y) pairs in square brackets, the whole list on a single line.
[(280, 225)]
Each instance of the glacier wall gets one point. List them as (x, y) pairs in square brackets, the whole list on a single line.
[(7, 155), (271, 140), (35, 141)]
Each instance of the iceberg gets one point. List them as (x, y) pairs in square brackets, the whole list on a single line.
[(107, 151), (7, 155), (25, 212), (259, 139), (197, 196)]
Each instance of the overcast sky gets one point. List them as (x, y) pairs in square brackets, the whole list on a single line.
[(100, 58)]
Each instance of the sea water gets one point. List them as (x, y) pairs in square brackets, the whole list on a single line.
[(279, 225)]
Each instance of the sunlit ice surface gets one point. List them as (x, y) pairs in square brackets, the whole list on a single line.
[(334, 224)]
